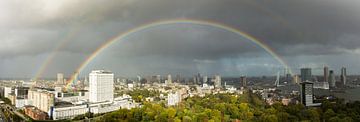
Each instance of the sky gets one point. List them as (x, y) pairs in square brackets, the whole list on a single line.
[(306, 33)]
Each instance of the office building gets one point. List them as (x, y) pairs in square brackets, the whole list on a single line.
[(296, 79), (60, 79), (101, 86), (332, 80), (169, 79), (306, 93), (243, 81), (343, 76), (217, 81), (22, 92), (306, 74), (43, 100), (205, 80), (326, 74)]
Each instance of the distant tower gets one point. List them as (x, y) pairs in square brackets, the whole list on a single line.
[(277, 81), (306, 93), (101, 86), (177, 78), (296, 79), (305, 74), (217, 81), (60, 79), (243, 81), (169, 79), (158, 78), (205, 80), (326, 74), (332, 80), (343, 75), (197, 79)]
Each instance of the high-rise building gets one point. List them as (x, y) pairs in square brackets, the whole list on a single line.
[(306, 93), (326, 74), (177, 78), (198, 79), (41, 99), (217, 81), (243, 81), (305, 74), (296, 79), (158, 78), (169, 79), (343, 75), (101, 86), (60, 78), (332, 80), (205, 80)]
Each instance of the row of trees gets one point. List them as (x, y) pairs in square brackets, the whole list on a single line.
[(230, 107)]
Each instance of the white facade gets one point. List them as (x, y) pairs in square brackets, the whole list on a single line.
[(19, 103), (60, 78), (217, 81), (101, 86), (169, 79), (7, 91), (321, 85), (69, 112), (41, 99)]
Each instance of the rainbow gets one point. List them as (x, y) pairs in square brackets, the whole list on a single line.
[(177, 21)]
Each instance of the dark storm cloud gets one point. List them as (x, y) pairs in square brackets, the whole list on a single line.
[(291, 28)]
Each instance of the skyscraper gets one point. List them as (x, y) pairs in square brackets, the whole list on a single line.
[(332, 80), (169, 79), (305, 74), (326, 74), (60, 78), (306, 93), (205, 79), (217, 81), (343, 75), (296, 79), (101, 86), (243, 81)]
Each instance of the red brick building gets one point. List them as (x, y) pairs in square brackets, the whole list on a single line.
[(35, 113)]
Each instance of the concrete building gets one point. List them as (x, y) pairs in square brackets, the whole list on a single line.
[(343, 76), (296, 79), (217, 81), (306, 93), (101, 86), (332, 80), (326, 74), (205, 80), (43, 100), (60, 79), (306, 74), (69, 111), (321, 85), (243, 81), (7, 91), (22, 92), (169, 79)]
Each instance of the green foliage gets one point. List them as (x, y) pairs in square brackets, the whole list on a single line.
[(230, 107)]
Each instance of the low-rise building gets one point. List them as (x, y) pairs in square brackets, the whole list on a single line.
[(35, 113)]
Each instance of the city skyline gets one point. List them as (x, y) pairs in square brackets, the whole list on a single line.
[(42, 38)]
